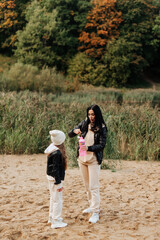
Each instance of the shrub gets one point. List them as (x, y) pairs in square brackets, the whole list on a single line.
[(80, 67), (20, 77), (86, 70), (25, 76)]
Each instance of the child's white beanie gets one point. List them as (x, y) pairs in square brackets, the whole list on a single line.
[(57, 137)]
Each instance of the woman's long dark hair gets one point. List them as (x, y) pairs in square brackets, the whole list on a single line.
[(64, 156), (99, 121)]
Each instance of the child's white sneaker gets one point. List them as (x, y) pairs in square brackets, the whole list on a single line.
[(58, 224), (94, 218), (87, 210)]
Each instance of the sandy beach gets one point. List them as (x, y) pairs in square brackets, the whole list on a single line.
[(130, 202)]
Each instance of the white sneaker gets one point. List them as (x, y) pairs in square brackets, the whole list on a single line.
[(87, 210), (50, 220), (94, 218), (58, 224)]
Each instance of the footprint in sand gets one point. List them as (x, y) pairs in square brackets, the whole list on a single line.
[(15, 235), (6, 218)]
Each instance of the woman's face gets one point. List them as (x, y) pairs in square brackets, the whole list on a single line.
[(91, 116)]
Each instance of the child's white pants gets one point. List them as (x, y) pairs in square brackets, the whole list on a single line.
[(90, 174), (55, 207)]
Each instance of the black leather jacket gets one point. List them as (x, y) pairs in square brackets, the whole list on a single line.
[(55, 166), (99, 139)]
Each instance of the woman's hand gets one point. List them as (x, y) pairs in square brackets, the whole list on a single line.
[(77, 131), (84, 148)]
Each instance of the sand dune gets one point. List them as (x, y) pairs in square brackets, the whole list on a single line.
[(130, 202)]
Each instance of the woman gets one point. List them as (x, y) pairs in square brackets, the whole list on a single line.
[(94, 131), (56, 166)]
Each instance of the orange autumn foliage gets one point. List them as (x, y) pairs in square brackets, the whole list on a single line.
[(102, 26), (8, 19)]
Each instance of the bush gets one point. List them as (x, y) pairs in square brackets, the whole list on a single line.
[(80, 67), (20, 77), (87, 70), (25, 76)]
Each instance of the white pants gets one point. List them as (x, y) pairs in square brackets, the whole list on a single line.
[(90, 174), (55, 207)]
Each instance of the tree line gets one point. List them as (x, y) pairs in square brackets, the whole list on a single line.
[(100, 42)]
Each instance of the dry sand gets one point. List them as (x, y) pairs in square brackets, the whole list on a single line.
[(130, 202)]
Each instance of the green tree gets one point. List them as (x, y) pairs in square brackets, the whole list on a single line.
[(71, 17), (156, 31), (59, 23), (34, 42), (125, 59), (137, 25), (123, 64), (156, 28)]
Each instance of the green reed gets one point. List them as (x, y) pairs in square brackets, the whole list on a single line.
[(27, 117)]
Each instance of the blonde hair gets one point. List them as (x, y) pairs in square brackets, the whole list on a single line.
[(64, 156)]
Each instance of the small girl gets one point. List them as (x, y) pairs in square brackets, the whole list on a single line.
[(56, 166)]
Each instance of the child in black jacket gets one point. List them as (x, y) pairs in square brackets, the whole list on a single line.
[(56, 166)]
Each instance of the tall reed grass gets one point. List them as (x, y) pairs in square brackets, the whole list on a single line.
[(27, 117), (20, 77), (142, 96)]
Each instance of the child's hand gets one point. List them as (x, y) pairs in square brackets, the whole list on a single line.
[(77, 131), (60, 189)]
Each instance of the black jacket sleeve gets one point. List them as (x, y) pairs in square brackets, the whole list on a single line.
[(79, 126), (102, 141)]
